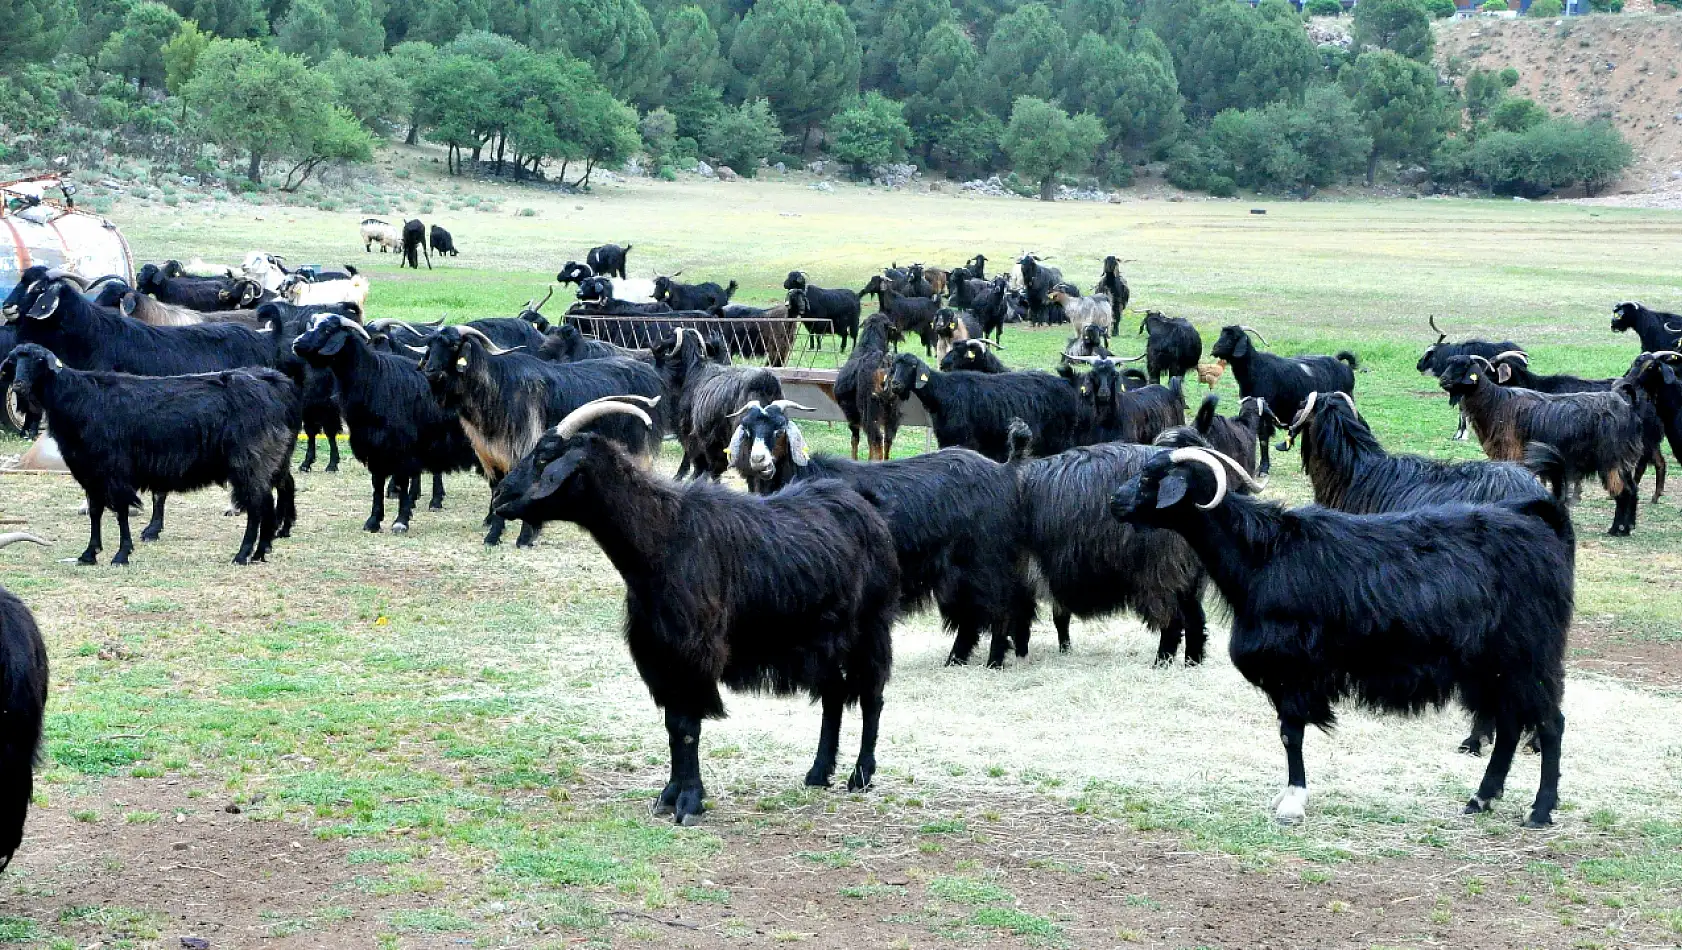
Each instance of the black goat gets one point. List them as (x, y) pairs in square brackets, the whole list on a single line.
[(1090, 566), (862, 390), (169, 284), (506, 400), (23, 703), (823, 310), (1118, 414), (442, 242), (910, 314), (608, 260), (1453, 602), (706, 395), (1284, 382), (1513, 369), (1237, 437), (1038, 281), (566, 344), (951, 328), (977, 266), (414, 244), (1173, 346), (794, 592), (1579, 433), (532, 312), (1656, 373), (975, 410), (595, 295), (954, 518), (1093, 340), (1437, 355), (122, 434), (1113, 285), (992, 307), (1659, 331), (975, 356), (704, 296), (506, 332), (397, 428), (320, 394)]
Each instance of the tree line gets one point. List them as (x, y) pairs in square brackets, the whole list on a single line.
[(1226, 94)]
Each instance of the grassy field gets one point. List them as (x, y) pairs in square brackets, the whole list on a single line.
[(416, 741)]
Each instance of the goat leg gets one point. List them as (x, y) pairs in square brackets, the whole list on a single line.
[(829, 737), (1060, 619), (309, 451), (155, 527), (1193, 620), (528, 534), (683, 796), (1549, 735), (870, 704), (286, 503), (1290, 805), (406, 504), (96, 517), (333, 449), (1494, 782), (125, 544), (377, 513), (437, 502)]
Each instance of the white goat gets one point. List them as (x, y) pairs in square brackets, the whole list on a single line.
[(387, 236), (1084, 310)]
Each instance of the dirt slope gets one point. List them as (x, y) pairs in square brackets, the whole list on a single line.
[(1621, 68)]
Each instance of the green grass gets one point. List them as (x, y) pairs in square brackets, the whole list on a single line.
[(464, 724)]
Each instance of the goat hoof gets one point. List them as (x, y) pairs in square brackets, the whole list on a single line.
[(1537, 822), (304, 466), (956, 660), (861, 778), (818, 778), (1475, 806), (1290, 806), (523, 544), (88, 557), (242, 560), (371, 526), (1472, 747), (1163, 661), (332, 467), (995, 663), (399, 527), (690, 820), (150, 535), (491, 542), (121, 560), (436, 504), (284, 533)]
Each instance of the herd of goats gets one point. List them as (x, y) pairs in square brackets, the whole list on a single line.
[(1411, 583)]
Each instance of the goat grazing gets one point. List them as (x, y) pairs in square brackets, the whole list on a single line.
[(803, 601), (506, 400), (1423, 607), (1284, 382), (1237, 437), (383, 233), (1579, 433), (121, 434), (953, 515), (414, 245), (442, 242), (862, 390), (23, 703), (975, 410), (1172, 346)]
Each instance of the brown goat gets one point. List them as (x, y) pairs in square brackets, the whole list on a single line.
[(156, 313)]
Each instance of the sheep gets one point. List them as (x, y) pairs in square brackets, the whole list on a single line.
[(824, 310), (1089, 566), (1437, 355), (565, 344), (1084, 310), (702, 296), (1111, 284), (953, 514), (397, 429), (507, 399), (1093, 340), (1512, 368), (804, 599), (1284, 382), (1659, 331), (1237, 437), (1173, 346), (608, 260), (414, 245), (318, 391), (1116, 414), (974, 410), (951, 327), (1467, 602), (385, 234), (705, 393), (975, 356), (910, 314), (442, 242), (862, 391), (121, 434), (1580, 433), (23, 703)]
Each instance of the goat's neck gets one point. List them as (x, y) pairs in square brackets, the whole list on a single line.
[(1234, 540), (1483, 404), (631, 514)]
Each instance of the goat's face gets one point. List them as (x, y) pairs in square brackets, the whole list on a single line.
[(326, 338), (1111, 265), (1623, 316), (111, 293), (1463, 375), (761, 441), (1094, 336), (543, 482), (1653, 371), (30, 283), (48, 306), (1233, 344), (537, 320), (873, 287), (574, 273), (946, 322), (1160, 494), (908, 375), (1427, 361), (1103, 380), (662, 288), (797, 303), (796, 280), (26, 366), (150, 279), (449, 356)]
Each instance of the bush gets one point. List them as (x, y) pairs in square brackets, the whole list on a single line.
[(1545, 9), (1607, 6), (667, 173), (795, 162), (1440, 9), (1554, 154), (870, 132), (684, 150), (658, 129), (744, 135), (1326, 7), (1494, 6), (1517, 115)]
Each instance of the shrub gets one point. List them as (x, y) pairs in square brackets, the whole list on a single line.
[(870, 132), (528, 212), (658, 129), (1494, 6), (667, 173), (1517, 115), (744, 135), (1554, 154), (1545, 9), (1607, 6), (1440, 9), (1326, 7)]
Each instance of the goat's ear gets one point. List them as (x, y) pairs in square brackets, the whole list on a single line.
[(1243, 348), (334, 344), (1503, 373), (555, 475), (128, 303), (1171, 490)]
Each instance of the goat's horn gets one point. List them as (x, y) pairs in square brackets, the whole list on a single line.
[(1520, 355), (59, 273), (1440, 334), (987, 342), (1482, 360), (750, 404), (353, 325), (786, 404), (490, 345), (1673, 329), (595, 409), (412, 349), (1131, 359), (383, 322), (1080, 359), (16, 536), (1301, 419), (436, 323), (1207, 459), (545, 299), (646, 401), (1256, 333), (1671, 354)]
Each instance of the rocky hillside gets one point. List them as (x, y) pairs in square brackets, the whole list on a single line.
[(1621, 68)]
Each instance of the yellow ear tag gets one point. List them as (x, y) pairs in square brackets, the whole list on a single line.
[(970, 355), (1474, 377), (1083, 389), (924, 379), (461, 362)]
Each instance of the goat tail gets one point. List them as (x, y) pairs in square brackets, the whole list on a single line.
[(1350, 358), (730, 291), (1548, 465), (1205, 417), (1177, 386), (23, 699), (1021, 441)]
